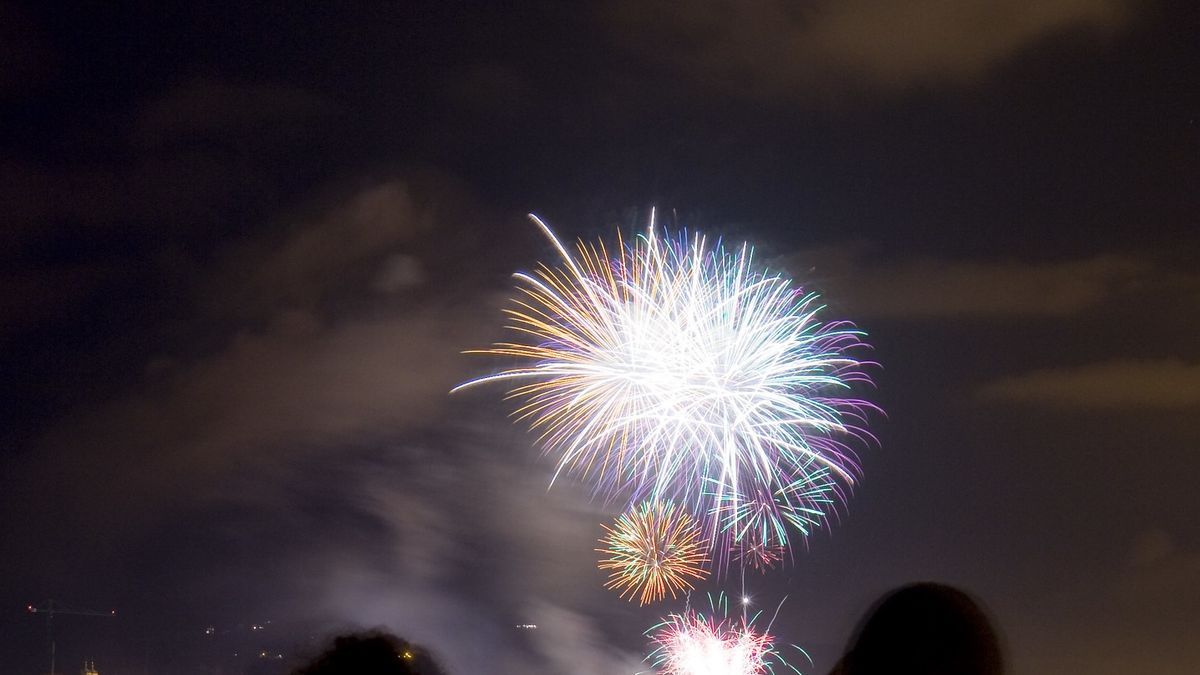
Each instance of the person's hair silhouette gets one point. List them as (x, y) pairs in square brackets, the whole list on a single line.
[(371, 653), (924, 629)]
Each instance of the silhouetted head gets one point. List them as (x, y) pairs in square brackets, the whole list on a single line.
[(371, 654), (925, 629)]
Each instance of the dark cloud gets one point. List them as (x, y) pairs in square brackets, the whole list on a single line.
[(477, 545), (1139, 616), (572, 643), (293, 375), (26, 61), (492, 89), (31, 296), (776, 48), (100, 199), (202, 159), (931, 287), (332, 383), (1161, 578), (351, 241), (35, 198), (1127, 384), (208, 108), (180, 164), (399, 272)]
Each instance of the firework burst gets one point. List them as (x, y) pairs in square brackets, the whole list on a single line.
[(653, 550), (756, 525), (675, 369), (758, 555), (692, 643)]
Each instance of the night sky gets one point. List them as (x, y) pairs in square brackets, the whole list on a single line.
[(244, 244)]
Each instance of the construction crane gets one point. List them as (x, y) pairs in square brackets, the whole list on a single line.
[(49, 608)]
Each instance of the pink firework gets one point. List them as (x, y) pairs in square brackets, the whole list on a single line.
[(692, 644), (758, 555)]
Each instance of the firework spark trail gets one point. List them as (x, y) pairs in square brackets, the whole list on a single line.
[(653, 550), (673, 369)]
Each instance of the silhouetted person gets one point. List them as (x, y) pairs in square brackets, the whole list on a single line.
[(371, 654), (924, 629)]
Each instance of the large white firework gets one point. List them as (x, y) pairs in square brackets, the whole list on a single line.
[(675, 368)]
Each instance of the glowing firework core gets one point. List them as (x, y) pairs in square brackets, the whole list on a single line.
[(694, 645)]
